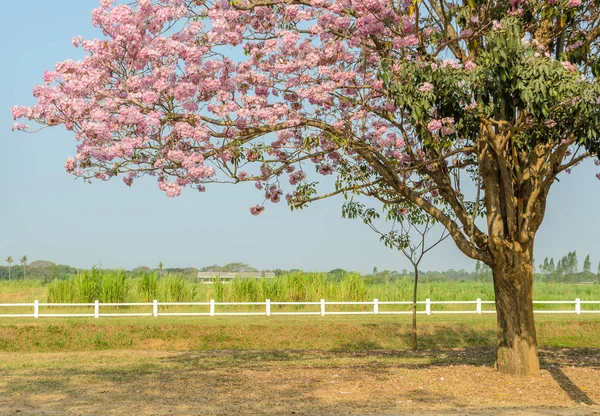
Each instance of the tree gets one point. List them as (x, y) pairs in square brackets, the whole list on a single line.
[(545, 268), (9, 260), (43, 270), (405, 105), (551, 267), (573, 263), (478, 269), (587, 264), (160, 268), (24, 264), (408, 234)]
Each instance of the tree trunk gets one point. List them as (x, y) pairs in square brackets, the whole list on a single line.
[(513, 286), (414, 311)]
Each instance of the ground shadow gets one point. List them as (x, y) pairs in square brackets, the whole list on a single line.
[(572, 390)]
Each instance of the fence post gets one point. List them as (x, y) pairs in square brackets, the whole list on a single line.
[(428, 306), (578, 306), (36, 308), (322, 307), (375, 306), (212, 307), (268, 303), (155, 308), (479, 306), (96, 309)]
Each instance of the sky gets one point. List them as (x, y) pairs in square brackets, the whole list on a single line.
[(48, 215)]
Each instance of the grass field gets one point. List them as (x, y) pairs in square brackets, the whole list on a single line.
[(292, 365), (330, 333), (288, 365)]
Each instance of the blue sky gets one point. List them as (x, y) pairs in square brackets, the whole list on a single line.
[(46, 214)]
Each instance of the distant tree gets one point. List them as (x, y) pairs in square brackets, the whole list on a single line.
[(160, 268), (587, 264), (573, 263), (238, 268), (230, 268), (43, 270), (545, 268), (140, 270), (551, 267), (9, 260), (374, 270), (24, 264)]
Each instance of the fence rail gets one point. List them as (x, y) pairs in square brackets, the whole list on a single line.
[(268, 308)]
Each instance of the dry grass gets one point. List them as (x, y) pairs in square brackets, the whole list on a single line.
[(293, 382), (289, 365)]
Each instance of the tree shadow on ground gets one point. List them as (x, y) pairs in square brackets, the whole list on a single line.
[(554, 359)]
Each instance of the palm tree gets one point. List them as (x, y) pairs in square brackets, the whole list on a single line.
[(24, 264), (9, 260)]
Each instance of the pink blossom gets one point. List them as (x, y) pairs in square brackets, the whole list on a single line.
[(256, 209), (469, 66), (426, 87), (434, 125), (19, 126), (297, 177), (568, 66), (70, 164), (574, 3)]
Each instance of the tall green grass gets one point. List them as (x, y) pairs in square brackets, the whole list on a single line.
[(90, 285), (147, 286), (119, 286), (174, 288)]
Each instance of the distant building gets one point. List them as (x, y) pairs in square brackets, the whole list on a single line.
[(208, 277)]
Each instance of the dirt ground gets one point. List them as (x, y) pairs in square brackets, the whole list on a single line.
[(458, 381)]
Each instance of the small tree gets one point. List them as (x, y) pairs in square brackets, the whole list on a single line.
[(160, 268), (24, 264), (408, 234), (9, 260)]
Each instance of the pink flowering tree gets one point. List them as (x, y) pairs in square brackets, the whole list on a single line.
[(406, 102)]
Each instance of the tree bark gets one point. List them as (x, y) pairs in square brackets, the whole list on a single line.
[(513, 287)]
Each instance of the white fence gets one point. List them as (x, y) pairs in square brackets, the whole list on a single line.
[(269, 310)]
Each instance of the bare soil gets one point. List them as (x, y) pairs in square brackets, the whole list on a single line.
[(384, 382)]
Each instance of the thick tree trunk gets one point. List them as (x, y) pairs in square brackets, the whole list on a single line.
[(513, 286)]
